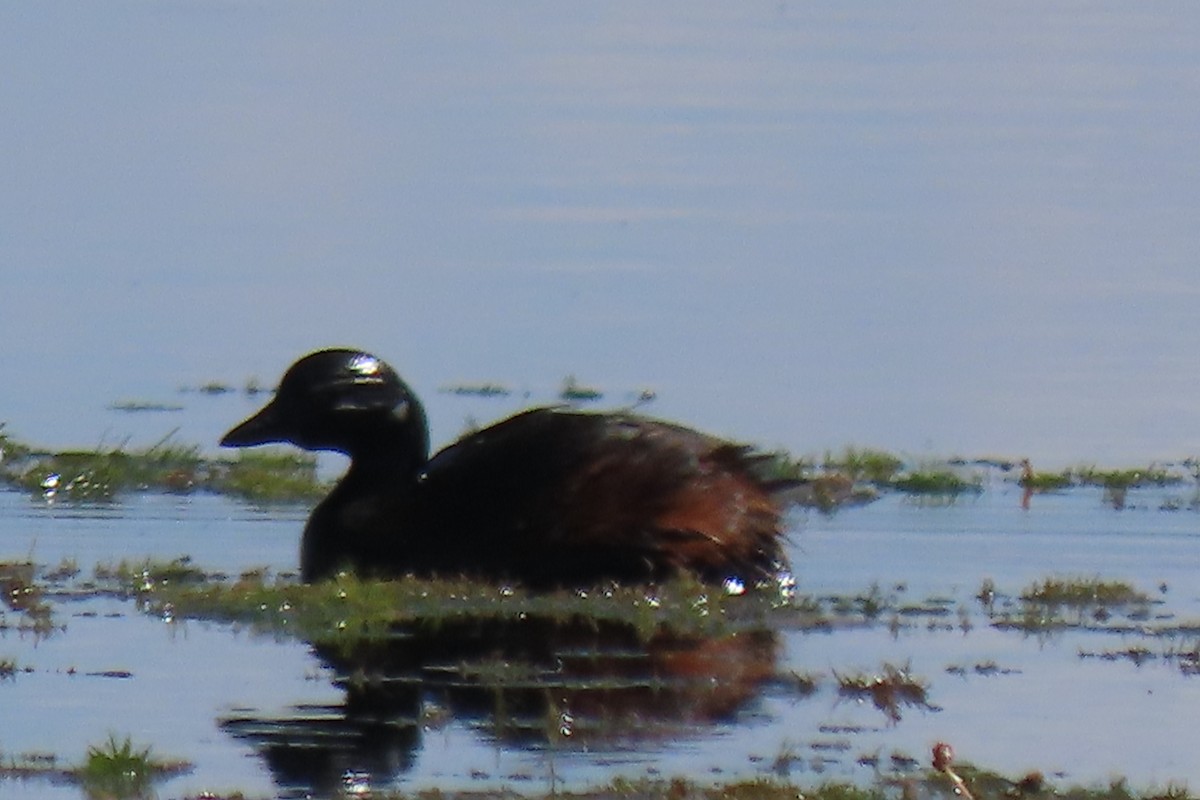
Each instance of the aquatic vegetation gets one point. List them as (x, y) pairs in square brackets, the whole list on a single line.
[(20, 593), (1117, 482), (1046, 481), (352, 617), (1091, 602), (482, 389), (801, 684), (100, 474), (10, 449), (575, 392), (253, 388), (348, 609), (270, 475), (962, 777), (1185, 657), (103, 474), (987, 668), (1127, 478), (852, 477), (114, 770), (877, 467), (66, 569), (936, 482), (148, 574), (135, 406), (873, 602), (1082, 592), (117, 769), (890, 689), (214, 387), (825, 489), (827, 493)]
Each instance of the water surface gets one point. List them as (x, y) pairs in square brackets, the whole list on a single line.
[(236, 704)]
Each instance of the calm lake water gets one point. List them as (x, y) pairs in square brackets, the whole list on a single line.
[(924, 227), (935, 228), (237, 704)]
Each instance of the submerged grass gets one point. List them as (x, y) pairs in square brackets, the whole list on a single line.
[(119, 769), (877, 467), (851, 477), (21, 594), (1046, 481), (350, 610), (113, 770), (1059, 603), (890, 689), (942, 483), (103, 474), (1083, 592), (269, 476)]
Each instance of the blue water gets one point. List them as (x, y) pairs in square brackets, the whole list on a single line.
[(1047, 708), (932, 228)]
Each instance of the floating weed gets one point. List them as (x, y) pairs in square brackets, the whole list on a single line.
[(1118, 479), (25, 766), (1185, 657), (942, 484), (21, 594), (890, 689), (1118, 482), (349, 610), (269, 476), (1134, 654), (99, 475), (480, 389), (801, 684), (1082, 592), (1058, 603), (136, 406), (575, 392), (214, 388), (878, 467), (872, 603), (10, 449), (66, 570), (1046, 481), (118, 769), (987, 594), (114, 770), (136, 577), (103, 474), (855, 476), (983, 668)]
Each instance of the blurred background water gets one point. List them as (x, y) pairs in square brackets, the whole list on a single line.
[(927, 228)]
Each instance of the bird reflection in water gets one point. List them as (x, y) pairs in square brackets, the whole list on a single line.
[(528, 683)]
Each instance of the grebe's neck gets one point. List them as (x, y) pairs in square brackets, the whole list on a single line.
[(392, 453)]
